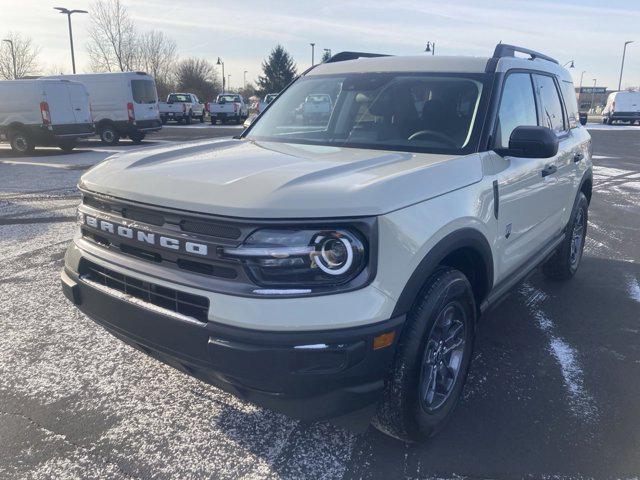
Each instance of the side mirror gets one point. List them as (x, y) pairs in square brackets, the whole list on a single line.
[(583, 118), (533, 142)]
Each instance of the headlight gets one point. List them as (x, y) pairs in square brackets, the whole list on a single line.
[(289, 258)]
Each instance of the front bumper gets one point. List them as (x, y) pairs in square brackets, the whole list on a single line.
[(307, 375)]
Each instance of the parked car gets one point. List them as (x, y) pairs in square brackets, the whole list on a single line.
[(316, 108), (341, 271), (228, 106), (181, 107), (44, 113), (268, 98), (622, 107), (250, 119), (124, 104)]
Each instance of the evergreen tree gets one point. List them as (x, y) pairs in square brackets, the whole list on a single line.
[(279, 70)]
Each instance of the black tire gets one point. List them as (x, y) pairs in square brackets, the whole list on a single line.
[(189, 120), (109, 135), (604, 120), (407, 410), (163, 120), (213, 121), (202, 118), (137, 137), (67, 146), (21, 142), (565, 261)]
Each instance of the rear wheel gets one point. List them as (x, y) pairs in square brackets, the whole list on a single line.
[(109, 135), (565, 261), (202, 118), (67, 145), (432, 360), (137, 137), (189, 120), (21, 142)]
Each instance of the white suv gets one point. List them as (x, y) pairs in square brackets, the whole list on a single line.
[(340, 267)]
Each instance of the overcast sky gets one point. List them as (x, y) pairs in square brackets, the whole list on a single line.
[(591, 32)]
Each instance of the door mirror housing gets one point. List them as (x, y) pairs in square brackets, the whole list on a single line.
[(583, 118), (533, 142)]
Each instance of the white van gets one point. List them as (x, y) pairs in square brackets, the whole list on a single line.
[(622, 107), (124, 104), (44, 113)]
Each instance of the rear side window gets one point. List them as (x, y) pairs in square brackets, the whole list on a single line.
[(571, 103), (144, 91), (517, 107), (550, 104)]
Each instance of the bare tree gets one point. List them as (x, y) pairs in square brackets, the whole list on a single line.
[(197, 76), (25, 54), (157, 57), (113, 44)]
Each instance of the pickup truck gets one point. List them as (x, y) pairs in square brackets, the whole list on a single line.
[(316, 108), (228, 107), (324, 272), (268, 98), (182, 107)]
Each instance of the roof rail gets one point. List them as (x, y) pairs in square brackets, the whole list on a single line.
[(505, 50), (343, 56)]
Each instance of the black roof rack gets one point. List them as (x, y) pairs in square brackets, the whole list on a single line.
[(343, 56), (505, 50)]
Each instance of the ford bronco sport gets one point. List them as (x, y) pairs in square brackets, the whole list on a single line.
[(340, 266)]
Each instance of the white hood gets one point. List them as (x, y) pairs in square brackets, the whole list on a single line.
[(241, 178)]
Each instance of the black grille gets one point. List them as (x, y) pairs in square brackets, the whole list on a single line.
[(212, 229), (194, 306)]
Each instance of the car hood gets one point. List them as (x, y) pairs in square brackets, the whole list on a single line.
[(242, 178)]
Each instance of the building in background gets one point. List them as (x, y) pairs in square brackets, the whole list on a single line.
[(592, 97)]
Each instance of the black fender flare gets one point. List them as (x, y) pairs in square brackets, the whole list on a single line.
[(587, 176), (462, 238)]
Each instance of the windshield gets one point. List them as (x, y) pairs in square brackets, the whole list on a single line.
[(144, 91), (179, 98), (395, 111), (228, 98)]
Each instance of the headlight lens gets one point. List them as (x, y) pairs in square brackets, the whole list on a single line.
[(301, 258)]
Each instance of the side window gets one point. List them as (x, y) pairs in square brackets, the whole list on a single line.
[(517, 107), (550, 104), (571, 103)]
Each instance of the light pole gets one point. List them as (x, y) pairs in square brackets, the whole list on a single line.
[(580, 87), (313, 47), (431, 47), (13, 57), (244, 80), (68, 13), (220, 62), (593, 94), (624, 51)]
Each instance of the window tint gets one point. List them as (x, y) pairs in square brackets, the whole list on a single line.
[(179, 98), (571, 104), (551, 106), (517, 107), (144, 91)]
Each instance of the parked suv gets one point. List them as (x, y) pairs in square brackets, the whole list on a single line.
[(341, 268)]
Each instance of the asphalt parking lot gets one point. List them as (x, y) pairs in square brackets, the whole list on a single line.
[(553, 391)]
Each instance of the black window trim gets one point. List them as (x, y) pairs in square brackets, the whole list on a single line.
[(564, 102)]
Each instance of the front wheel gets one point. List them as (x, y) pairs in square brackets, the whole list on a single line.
[(21, 142), (565, 261), (109, 135), (202, 118), (189, 120), (432, 360)]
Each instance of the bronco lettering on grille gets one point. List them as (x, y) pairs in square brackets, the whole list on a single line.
[(146, 237)]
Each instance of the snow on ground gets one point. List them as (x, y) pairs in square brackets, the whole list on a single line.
[(581, 403)]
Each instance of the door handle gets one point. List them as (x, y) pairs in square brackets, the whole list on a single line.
[(78, 109), (577, 157), (549, 170)]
